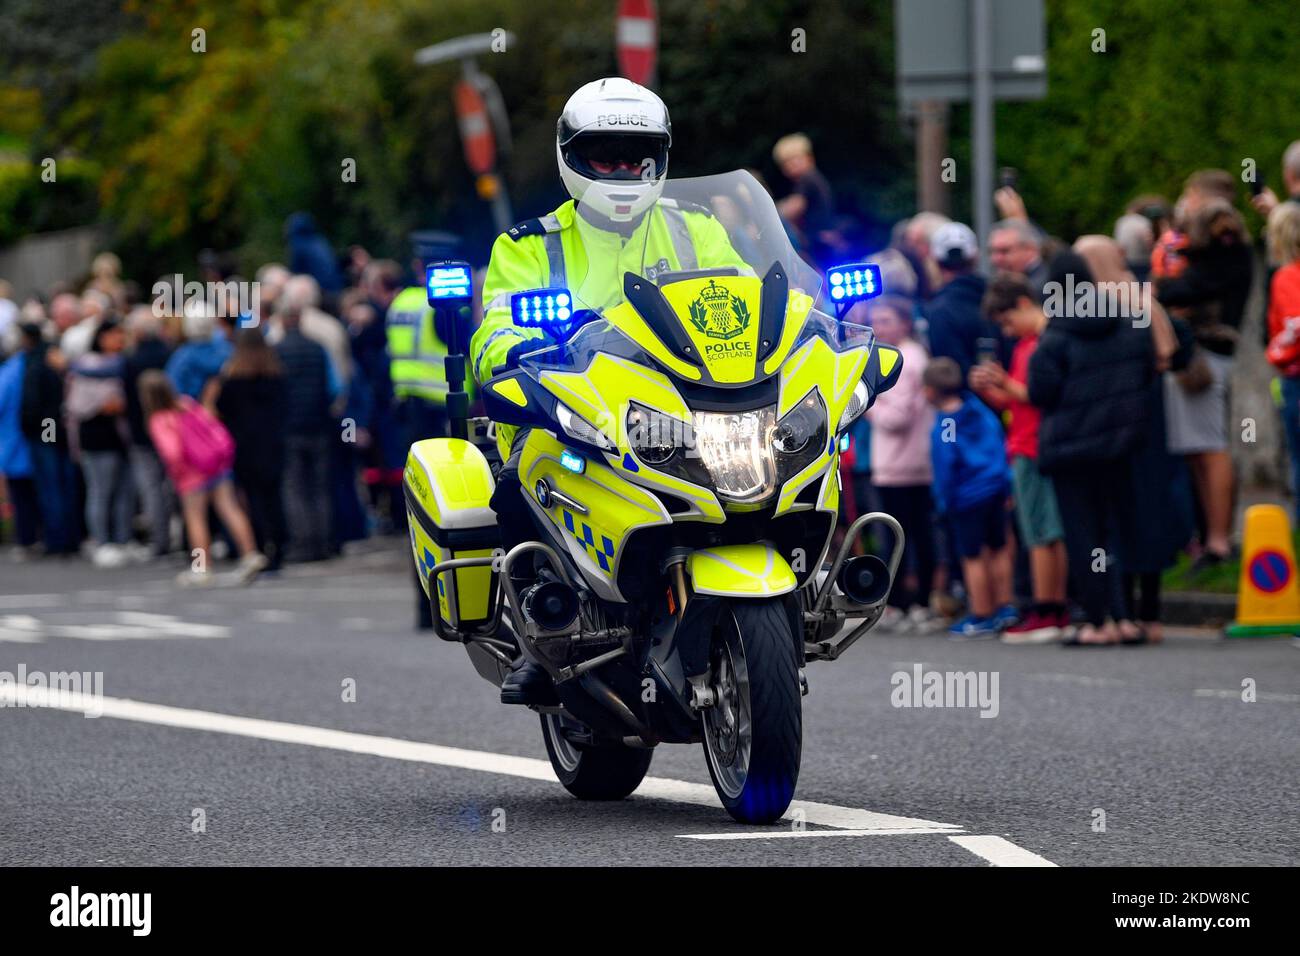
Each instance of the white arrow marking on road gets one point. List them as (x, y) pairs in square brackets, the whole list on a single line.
[(658, 788)]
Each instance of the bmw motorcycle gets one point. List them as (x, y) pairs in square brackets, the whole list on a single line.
[(680, 450)]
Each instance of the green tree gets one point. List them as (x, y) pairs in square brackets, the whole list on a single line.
[(1180, 87)]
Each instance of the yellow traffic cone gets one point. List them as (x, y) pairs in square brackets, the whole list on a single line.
[(1268, 595)]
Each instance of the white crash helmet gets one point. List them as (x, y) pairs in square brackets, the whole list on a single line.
[(611, 144)]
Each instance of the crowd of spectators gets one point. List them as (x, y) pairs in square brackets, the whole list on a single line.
[(1060, 434), (183, 424)]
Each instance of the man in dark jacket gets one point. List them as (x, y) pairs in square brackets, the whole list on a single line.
[(1090, 376), (958, 329), (312, 387)]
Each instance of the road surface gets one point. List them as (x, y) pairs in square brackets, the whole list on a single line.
[(303, 721)]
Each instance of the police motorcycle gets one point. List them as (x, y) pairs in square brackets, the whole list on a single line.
[(681, 469)]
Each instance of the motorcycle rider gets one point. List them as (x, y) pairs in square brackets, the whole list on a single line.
[(611, 145)]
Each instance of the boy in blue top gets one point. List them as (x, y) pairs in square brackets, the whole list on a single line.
[(971, 483)]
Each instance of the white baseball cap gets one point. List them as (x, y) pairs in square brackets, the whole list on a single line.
[(954, 244)]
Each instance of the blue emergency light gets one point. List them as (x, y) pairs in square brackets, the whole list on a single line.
[(575, 463), (541, 307), (448, 283), (853, 282)]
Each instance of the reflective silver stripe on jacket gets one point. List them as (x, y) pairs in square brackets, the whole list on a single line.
[(507, 330), (554, 257), (680, 236)]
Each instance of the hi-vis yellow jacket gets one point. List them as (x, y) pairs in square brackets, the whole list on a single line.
[(416, 353), (559, 249)]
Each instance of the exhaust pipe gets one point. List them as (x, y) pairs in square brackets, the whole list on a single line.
[(864, 580), (551, 605)]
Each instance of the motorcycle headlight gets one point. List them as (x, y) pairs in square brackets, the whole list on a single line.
[(729, 452), (665, 444), (800, 436), (736, 448), (575, 426), (741, 455), (857, 405)]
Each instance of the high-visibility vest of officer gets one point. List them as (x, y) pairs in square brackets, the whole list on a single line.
[(416, 347), (612, 144)]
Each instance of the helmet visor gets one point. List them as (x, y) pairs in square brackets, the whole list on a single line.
[(618, 156)]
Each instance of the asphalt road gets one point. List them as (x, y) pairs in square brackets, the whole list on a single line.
[(226, 739)]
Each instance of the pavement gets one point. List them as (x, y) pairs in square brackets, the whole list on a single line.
[(303, 721)]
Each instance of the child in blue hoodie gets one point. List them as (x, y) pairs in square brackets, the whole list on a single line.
[(971, 483)]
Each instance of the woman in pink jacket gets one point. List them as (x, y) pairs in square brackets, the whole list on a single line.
[(198, 454), (901, 422)]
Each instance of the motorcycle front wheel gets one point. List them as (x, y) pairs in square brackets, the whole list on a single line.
[(593, 773), (753, 734)]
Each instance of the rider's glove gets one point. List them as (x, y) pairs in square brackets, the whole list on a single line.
[(533, 344)]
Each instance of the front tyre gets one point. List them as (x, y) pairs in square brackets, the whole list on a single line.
[(753, 734), (593, 773)]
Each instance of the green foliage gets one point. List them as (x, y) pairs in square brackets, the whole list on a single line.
[(28, 204), (217, 148), (1181, 86)]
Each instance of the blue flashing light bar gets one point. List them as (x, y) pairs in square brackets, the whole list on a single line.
[(574, 462), (448, 283), (853, 282), (541, 307)]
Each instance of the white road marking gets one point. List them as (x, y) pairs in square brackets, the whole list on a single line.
[(127, 626), (788, 834), (1000, 852), (1236, 695), (656, 788), (21, 628), (822, 814)]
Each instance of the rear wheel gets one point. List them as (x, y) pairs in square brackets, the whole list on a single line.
[(593, 773), (753, 734)]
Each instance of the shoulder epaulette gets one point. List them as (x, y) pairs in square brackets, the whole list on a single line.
[(534, 227)]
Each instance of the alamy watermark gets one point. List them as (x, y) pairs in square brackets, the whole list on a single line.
[(232, 299), (955, 689), (65, 690), (131, 911), (1086, 299)]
